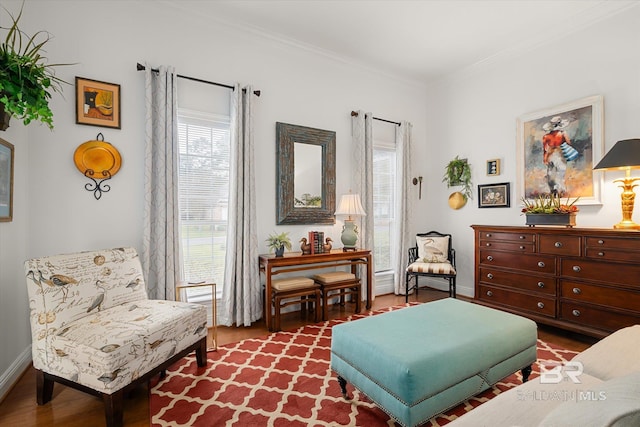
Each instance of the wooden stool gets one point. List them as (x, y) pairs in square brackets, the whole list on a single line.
[(338, 283), (302, 288)]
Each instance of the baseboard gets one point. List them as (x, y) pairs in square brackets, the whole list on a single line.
[(15, 371), (443, 285)]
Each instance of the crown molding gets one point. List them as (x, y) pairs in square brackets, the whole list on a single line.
[(279, 40), (589, 17)]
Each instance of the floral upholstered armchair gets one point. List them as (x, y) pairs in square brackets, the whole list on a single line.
[(94, 329)]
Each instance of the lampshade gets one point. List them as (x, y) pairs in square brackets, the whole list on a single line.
[(624, 154), (350, 205)]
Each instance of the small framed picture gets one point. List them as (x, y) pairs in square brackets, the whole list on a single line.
[(494, 195), (97, 103), (6, 181), (493, 167)]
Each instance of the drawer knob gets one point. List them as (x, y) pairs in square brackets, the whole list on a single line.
[(601, 242), (577, 291), (490, 258), (522, 237), (489, 293), (487, 244), (576, 313), (576, 268), (600, 253), (522, 248), (558, 244), (488, 235), (490, 276), (540, 264), (540, 305), (541, 284)]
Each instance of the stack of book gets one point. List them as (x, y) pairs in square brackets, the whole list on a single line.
[(316, 240)]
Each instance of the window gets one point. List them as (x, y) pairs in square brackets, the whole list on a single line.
[(203, 192), (384, 194)]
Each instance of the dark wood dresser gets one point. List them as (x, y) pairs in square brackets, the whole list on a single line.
[(585, 280)]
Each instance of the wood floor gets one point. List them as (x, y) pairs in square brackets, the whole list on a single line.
[(71, 408)]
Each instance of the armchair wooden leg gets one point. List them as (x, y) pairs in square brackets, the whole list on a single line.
[(113, 408), (44, 387), (201, 353)]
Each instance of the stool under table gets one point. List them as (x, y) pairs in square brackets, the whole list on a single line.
[(419, 361)]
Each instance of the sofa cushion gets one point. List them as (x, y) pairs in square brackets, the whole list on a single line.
[(610, 357), (612, 403), (525, 405)]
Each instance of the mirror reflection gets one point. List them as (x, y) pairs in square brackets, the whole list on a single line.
[(305, 175), (307, 183)]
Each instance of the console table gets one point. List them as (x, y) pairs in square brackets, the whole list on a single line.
[(580, 279), (271, 265)]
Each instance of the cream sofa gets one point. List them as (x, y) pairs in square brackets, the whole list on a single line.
[(608, 392)]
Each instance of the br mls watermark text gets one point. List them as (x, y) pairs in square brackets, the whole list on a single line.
[(555, 374)]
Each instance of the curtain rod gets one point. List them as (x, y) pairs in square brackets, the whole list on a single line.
[(355, 114), (141, 67)]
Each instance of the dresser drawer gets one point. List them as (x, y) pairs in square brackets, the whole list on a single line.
[(613, 248), (601, 295), (537, 283), (559, 244), (537, 304), (596, 317), (619, 243), (508, 237), (525, 247), (609, 272), (530, 262)]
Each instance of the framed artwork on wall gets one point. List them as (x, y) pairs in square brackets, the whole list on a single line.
[(97, 103), (494, 195), (493, 167), (6, 181), (557, 149)]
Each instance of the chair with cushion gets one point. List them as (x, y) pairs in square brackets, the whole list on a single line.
[(433, 256), (93, 327), (293, 290), (338, 284)]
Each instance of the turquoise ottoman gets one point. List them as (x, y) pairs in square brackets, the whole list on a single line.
[(417, 362)]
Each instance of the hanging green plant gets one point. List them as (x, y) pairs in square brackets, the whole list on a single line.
[(458, 173), (26, 79)]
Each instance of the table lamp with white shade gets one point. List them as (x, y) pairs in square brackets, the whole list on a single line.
[(625, 155), (350, 206)]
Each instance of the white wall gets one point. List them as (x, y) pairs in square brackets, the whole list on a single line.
[(473, 115), (53, 212)]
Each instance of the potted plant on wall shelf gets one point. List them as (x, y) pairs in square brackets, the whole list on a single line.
[(278, 242), (548, 209), (458, 173), (26, 79)]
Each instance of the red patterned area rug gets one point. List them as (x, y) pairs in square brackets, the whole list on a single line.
[(284, 379)]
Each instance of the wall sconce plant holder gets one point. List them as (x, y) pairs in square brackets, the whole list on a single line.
[(99, 161)]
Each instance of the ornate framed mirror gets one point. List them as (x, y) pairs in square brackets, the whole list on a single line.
[(305, 175)]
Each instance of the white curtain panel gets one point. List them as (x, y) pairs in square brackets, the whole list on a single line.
[(404, 204), (241, 293), (161, 242), (362, 135)]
